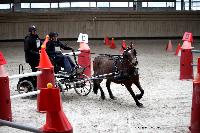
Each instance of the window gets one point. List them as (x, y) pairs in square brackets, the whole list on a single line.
[(92, 4), (40, 5), (4, 6), (186, 5), (25, 5), (102, 4), (64, 4), (54, 5), (156, 4), (130, 4), (144, 4), (196, 5), (178, 5), (170, 4), (118, 4), (79, 4)]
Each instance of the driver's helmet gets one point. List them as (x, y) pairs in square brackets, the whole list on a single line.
[(53, 34), (32, 28)]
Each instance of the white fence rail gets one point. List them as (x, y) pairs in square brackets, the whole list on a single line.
[(25, 94), (25, 75)]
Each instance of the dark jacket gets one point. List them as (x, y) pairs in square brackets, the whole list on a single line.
[(51, 47), (31, 49)]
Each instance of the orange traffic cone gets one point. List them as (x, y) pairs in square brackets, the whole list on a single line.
[(107, 41), (123, 46), (169, 46), (45, 41), (112, 45), (178, 50), (44, 59), (56, 120)]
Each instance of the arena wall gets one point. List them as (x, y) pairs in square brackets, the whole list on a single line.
[(14, 26)]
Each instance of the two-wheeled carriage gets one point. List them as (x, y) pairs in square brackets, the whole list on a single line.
[(76, 80)]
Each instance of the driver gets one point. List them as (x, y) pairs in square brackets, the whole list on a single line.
[(53, 49)]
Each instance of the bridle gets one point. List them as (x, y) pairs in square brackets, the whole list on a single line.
[(133, 51)]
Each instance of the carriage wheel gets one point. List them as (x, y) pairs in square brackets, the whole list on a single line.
[(58, 85), (85, 87), (25, 87)]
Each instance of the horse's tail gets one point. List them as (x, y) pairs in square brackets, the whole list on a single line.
[(95, 86)]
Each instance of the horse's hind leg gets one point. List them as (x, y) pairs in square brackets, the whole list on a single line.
[(133, 95), (109, 90), (102, 93), (95, 86), (139, 96), (98, 86)]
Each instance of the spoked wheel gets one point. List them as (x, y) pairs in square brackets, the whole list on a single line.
[(25, 86), (84, 85)]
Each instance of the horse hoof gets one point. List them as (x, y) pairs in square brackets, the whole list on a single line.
[(103, 97), (95, 92), (138, 96), (113, 98), (140, 105)]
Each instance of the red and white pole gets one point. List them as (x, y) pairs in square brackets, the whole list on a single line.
[(5, 102), (186, 59), (84, 58)]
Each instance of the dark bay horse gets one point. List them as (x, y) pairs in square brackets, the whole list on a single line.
[(125, 69)]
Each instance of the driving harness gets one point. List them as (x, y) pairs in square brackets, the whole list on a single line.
[(122, 74)]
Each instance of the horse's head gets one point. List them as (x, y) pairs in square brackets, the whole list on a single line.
[(130, 55)]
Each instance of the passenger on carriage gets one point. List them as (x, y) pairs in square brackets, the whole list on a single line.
[(32, 45), (53, 49)]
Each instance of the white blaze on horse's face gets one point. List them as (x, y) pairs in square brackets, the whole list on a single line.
[(132, 57)]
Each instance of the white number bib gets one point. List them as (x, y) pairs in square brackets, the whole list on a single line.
[(38, 43), (57, 49)]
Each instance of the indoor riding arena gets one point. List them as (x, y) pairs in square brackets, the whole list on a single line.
[(165, 38)]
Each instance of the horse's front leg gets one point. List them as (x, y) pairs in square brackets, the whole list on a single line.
[(108, 82), (128, 86), (139, 96)]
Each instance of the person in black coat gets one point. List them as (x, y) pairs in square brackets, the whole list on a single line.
[(53, 49), (32, 46)]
